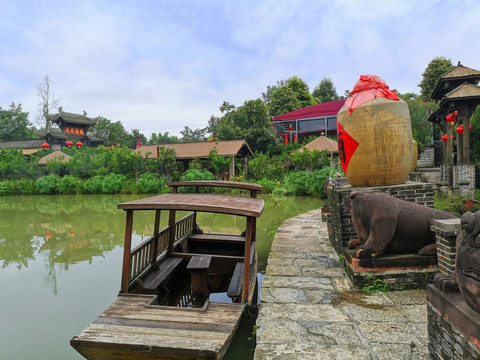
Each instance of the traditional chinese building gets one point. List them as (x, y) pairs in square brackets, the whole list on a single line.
[(71, 127)]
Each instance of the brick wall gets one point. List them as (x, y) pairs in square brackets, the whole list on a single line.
[(446, 238), (463, 178), (446, 342)]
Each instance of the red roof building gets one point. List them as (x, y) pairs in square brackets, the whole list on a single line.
[(312, 120)]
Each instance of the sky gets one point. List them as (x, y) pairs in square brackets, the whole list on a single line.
[(161, 65)]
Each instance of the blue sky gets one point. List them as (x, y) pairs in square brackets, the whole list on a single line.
[(158, 66)]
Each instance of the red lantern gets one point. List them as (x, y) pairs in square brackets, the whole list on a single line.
[(460, 129), (451, 118), (69, 144), (444, 137), (286, 140), (45, 146), (79, 144), (295, 137)]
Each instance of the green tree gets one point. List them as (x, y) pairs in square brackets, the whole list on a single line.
[(432, 73), (292, 96), (250, 122), (192, 135), (14, 124), (117, 135), (325, 91), (162, 139)]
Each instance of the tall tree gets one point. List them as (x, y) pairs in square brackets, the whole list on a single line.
[(432, 73), (117, 135), (292, 96), (14, 124), (48, 101), (162, 139), (250, 122), (325, 91), (192, 135)]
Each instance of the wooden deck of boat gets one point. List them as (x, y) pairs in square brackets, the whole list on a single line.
[(132, 328)]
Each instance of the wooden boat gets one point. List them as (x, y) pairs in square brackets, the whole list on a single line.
[(165, 308)]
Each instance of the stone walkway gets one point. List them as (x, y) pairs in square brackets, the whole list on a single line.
[(310, 311)]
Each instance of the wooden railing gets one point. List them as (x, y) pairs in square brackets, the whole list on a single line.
[(147, 253)]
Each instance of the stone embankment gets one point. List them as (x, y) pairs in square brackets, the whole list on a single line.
[(310, 311)]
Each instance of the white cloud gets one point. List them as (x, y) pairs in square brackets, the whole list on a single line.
[(160, 66)]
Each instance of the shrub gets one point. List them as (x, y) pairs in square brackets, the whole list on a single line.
[(193, 175), (296, 182), (268, 185), (68, 185), (266, 166), (47, 184), (94, 185), (150, 183), (316, 181), (113, 183)]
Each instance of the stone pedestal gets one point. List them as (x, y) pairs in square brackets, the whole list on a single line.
[(453, 327), (399, 271)]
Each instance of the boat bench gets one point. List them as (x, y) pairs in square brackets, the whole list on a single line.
[(155, 277), (198, 268), (236, 282)]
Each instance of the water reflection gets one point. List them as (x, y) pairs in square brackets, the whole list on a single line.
[(65, 254)]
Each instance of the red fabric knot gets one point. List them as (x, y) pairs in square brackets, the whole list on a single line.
[(367, 88)]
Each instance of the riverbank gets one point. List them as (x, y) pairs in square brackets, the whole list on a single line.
[(309, 310)]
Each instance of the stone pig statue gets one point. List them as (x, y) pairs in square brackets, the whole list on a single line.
[(387, 225)]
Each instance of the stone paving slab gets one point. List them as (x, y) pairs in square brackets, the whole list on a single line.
[(310, 311)]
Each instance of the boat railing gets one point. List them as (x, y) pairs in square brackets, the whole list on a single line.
[(155, 247), (253, 188)]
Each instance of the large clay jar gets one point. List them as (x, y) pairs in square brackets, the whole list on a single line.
[(375, 139)]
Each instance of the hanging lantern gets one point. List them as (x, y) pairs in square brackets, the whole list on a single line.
[(69, 144), (460, 129), (286, 140), (295, 137), (451, 118), (45, 146), (445, 137), (79, 144)]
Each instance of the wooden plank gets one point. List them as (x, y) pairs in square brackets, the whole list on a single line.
[(199, 262), (164, 324), (155, 277), (215, 203), (216, 183), (235, 286), (221, 238), (126, 252)]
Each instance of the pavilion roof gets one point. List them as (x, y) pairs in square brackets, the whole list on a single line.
[(57, 155), (72, 118), (200, 150), (454, 78), (22, 144), (330, 108), (321, 143)]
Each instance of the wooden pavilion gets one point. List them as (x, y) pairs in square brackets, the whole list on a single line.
[(73, 127), (185, 152), (457, 93)]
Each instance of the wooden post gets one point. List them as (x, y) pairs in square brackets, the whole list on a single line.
[(126, 252), (245, 167), (156, 229), (466, 138), (231, 172), (246, 261), (459, 149), (448, 152), (171, 224)]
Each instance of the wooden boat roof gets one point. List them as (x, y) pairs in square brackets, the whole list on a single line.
[(215, 203)]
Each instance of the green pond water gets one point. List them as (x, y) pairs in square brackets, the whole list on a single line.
[(61, 260)]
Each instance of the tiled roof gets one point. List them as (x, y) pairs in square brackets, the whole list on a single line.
[(200, 150), (72, 118), (21, 144), (454, 78)]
